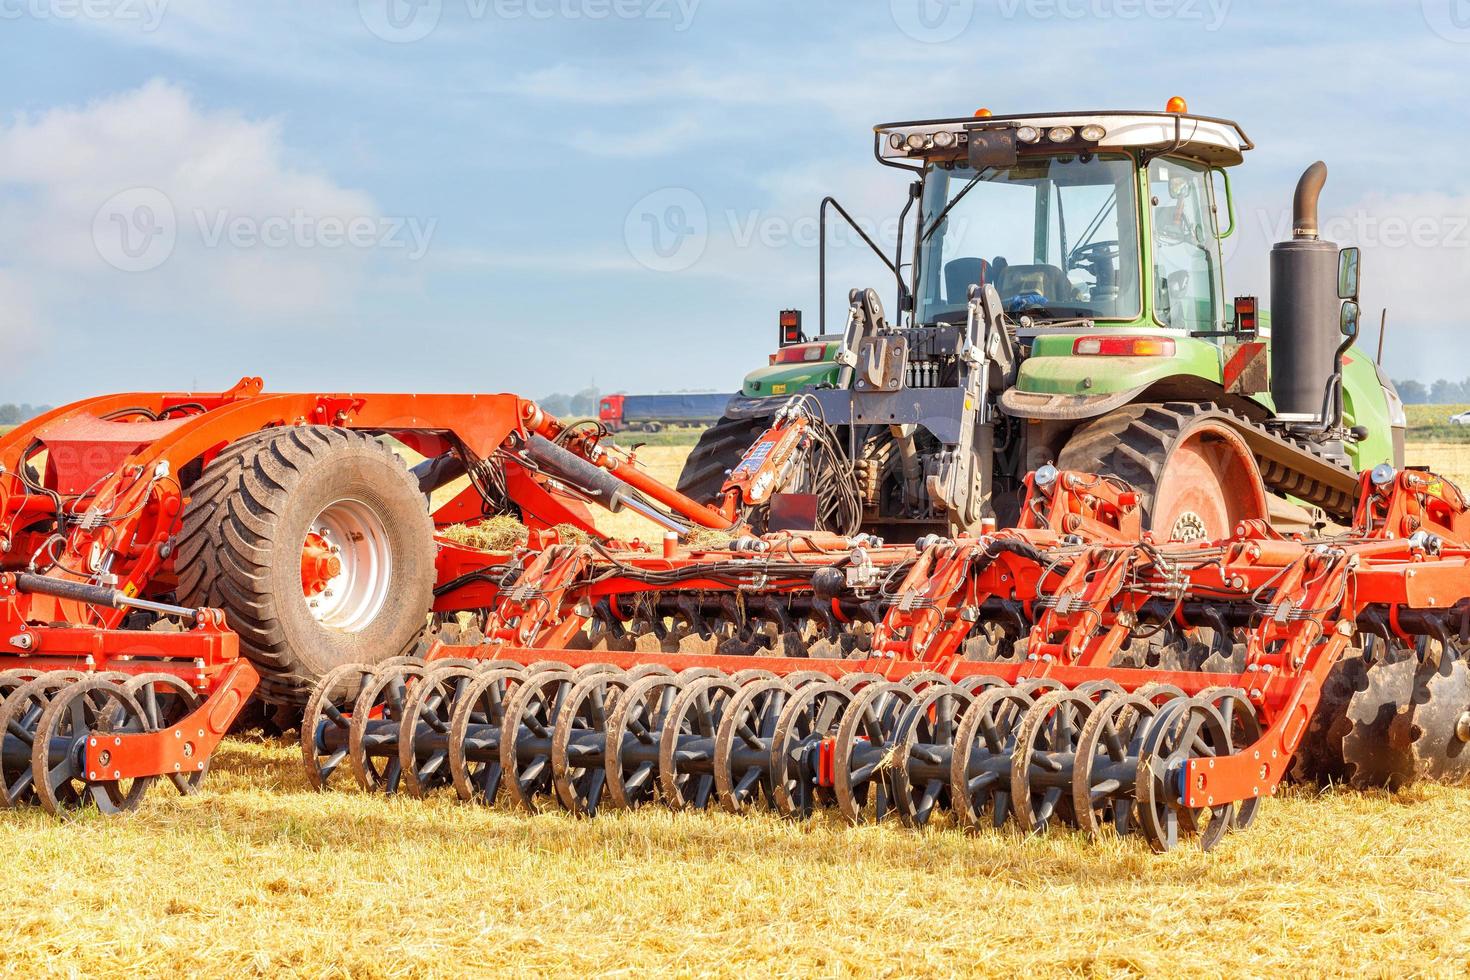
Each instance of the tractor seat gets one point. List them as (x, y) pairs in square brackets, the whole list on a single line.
[(1048, 280), (961, 274)]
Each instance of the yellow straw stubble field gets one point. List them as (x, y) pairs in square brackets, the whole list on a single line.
[(259, 875)]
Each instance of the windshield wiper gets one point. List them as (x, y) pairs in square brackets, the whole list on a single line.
[(957, 199)]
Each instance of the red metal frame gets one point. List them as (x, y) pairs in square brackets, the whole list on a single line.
[(1086, 592), (1078, 568)]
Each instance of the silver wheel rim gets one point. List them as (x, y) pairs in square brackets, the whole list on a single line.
[(355, 596)]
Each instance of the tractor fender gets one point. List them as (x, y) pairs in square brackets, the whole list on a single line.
[(1064, 408)]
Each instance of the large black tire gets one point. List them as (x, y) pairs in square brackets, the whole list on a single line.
[(240, 550), (1194, 478), (718, 451)]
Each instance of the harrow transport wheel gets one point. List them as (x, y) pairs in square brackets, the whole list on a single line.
[(860, 751), (317, 544), (686, 750), (812, 714), (1106, 764), (372, 736), (167, 700), (78, 712), (980, 769), (579, 742), (1184, 729), (20, 713), (1196, 478), (423, 730), (474, 733), (634, 738), (924, 752), (1042, 760), (525, 736), (325, 727), (743, 744)]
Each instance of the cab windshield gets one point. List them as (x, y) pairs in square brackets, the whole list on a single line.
[(1056, 236)]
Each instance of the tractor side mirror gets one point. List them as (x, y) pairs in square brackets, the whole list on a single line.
[(1349, 319), (1348, 262)]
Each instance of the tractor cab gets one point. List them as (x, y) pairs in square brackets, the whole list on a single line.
[(1107, 222), (1108, 217)]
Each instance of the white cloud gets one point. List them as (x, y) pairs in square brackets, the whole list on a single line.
[(155, 156)]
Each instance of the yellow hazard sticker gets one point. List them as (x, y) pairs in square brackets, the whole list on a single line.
[(778, 389), (1436, 489), (130, 590)]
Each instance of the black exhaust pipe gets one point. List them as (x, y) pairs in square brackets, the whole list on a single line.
[(1304, 309)]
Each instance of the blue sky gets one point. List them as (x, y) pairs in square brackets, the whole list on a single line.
[(456, 194)]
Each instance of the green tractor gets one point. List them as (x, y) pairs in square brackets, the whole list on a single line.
[(1062, 304)]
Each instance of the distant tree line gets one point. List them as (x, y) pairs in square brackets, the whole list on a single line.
[(12, 414), (582, 405), (1441, 392)]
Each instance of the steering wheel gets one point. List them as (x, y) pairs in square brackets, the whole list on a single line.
[(1093, 255)]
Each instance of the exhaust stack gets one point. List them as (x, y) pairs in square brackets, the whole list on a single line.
[(1304, 308)]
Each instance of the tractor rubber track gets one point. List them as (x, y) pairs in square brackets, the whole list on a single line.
[(1135, 448), (719, 448)]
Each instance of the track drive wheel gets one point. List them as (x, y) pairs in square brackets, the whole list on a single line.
[(1196, 478)]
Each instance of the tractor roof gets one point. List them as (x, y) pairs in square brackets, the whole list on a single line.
[(1218, 142)]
